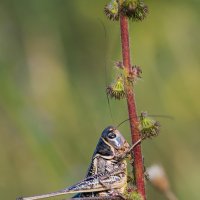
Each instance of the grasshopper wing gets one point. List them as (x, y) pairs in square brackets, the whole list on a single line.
[(98, 182)]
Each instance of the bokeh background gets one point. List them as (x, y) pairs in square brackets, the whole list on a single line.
[(55, 58)]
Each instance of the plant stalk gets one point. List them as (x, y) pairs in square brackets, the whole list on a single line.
[(134, 123)]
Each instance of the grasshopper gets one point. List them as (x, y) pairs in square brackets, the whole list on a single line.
[(107, 173)]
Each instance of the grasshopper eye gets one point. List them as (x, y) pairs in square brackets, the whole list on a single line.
[(111, 135)]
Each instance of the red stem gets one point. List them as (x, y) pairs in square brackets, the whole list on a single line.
[(135, 134)]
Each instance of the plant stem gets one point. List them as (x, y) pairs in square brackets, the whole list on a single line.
[(135, 134)]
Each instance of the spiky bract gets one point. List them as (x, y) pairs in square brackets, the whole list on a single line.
[(112, 10), (134, 74), (117, 90), (148, 127), (119, 65), (134, 9)]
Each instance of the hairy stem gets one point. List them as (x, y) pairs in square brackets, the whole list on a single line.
[(135, 134)]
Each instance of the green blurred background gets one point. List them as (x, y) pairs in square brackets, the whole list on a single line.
[(53, 106)]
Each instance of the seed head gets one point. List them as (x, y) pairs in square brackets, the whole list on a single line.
[(117, 90), (112, 10), (134, 9), (134, 74), (148, 127)]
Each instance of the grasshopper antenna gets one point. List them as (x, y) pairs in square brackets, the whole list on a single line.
[(159, 116), (122, 123), (105, 64), (162, 116)]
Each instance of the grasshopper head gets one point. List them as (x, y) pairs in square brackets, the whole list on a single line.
[(110, 143), (114, 138)]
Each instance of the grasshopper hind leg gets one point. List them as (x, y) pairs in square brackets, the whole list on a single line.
[(87, 194), (109, 193)]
